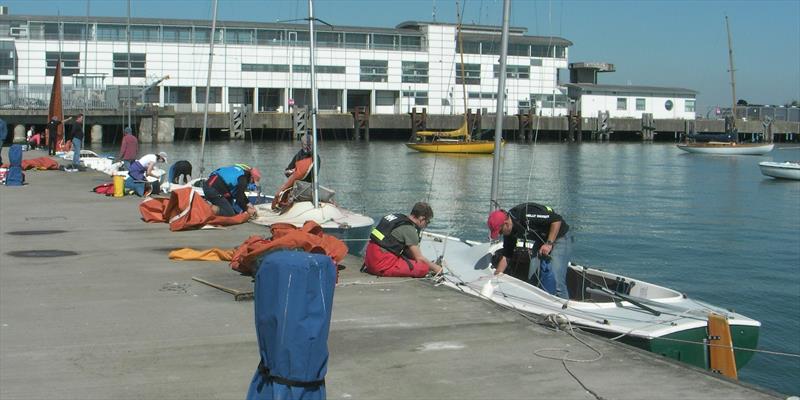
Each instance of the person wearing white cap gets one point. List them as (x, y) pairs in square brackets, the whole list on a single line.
[(536, 237), (140, 170)]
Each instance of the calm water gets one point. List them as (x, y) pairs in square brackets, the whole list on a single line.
[(709, 226)]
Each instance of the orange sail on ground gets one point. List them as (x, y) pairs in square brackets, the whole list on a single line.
[(56, 108)]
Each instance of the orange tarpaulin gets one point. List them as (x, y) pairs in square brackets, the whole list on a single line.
[(215, 254), (285, 236), (185, 210), (38, 163)]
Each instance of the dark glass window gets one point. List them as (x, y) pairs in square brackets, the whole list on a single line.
[(138, 61), (71, 63), (178, 95), (214, 95), (472, 74), (415, 72), (374, 71)]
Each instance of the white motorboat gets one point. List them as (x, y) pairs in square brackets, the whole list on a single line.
[(642, 314), (784, 170)]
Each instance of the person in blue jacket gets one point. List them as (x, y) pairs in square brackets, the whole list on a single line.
[(225, 189)]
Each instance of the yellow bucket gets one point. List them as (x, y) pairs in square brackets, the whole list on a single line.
[(119, 185)]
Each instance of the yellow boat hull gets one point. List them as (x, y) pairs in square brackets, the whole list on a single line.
[(455, 147)]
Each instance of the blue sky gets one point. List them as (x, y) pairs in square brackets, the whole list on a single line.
[(651, 42)]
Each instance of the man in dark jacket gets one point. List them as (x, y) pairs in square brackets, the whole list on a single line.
[(76, 132), (538, 237), (52, 135), (226, 187)]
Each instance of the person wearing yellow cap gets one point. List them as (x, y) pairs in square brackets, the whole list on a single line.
[(536, 237), (225, 189)]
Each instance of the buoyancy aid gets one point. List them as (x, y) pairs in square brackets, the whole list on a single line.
[(381, 234), (302, 169), (229, 175)]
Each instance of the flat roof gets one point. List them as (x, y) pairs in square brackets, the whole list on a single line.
[(621, 89)]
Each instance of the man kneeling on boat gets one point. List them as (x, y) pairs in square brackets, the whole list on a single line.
[(226, 189), (393, 248), (540, 237)]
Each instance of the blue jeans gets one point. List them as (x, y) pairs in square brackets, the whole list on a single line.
[(76, 148), (553, 274)]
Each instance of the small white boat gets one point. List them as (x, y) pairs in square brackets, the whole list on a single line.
[(642, 314), (784, 170), (727, 148)]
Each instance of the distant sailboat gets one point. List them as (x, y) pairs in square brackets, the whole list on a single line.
[(731, 145), (457, 141)]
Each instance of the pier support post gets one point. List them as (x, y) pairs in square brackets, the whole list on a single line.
[(418, 122), (96, 133), (361, 121), (300, 126), (648, 127)]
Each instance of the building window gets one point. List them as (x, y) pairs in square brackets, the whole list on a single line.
[(264, 36), (622, 103), (384, 42), (415, 72), (485, 96), (178, 95), (420, 98), (536, 62), (355, 40), (689, 106), (239, 95), (550, 100), (112, 33), (239, 36), (514, 71), (265, 68), (137, 65), (469, 47), (385, 97), (472, 74), (200, 35), (411, 43), (329, 39), (75, 31), (214, 95), (70, 63), (318, 69), (640, 104), (177, 34), (144, 33), (668, 105), (374, 70)]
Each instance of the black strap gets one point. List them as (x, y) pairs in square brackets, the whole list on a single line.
[(288, 382)]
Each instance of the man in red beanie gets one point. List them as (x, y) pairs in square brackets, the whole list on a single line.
[(537, 237)]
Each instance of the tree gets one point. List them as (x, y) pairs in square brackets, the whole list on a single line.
[(793, 103), (741, 102)]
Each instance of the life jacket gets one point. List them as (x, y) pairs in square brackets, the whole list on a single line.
[(230, 177), (381, 234), (106, 189), (302, 168)]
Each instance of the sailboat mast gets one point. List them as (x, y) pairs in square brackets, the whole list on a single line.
[(128, 37), (313, 102), (463, 73), (86, 68), (732, 70), (208, 88), (501, 90)]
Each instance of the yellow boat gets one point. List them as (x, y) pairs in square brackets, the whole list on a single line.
[(455, 142)]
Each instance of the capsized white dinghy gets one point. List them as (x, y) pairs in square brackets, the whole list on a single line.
[(639, 313)]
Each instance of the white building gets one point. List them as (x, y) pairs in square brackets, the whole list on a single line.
[(266, 65), (632, 101)]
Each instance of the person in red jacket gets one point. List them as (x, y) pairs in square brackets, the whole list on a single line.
[(129, 148), (393, 248)]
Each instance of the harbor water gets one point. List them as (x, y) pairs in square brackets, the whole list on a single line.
[(709, 226)]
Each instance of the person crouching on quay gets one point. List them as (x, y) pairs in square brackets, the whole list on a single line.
[(140, 170), (393, 248), (225, 189)]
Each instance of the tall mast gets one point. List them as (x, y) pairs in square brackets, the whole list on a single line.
[(128, 36), (86, 68), (208, 88), (313, 102), (463, 73), (501, 90), (732, 70)]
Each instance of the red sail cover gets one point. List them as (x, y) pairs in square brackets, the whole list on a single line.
[(185, 210), (56, 108)]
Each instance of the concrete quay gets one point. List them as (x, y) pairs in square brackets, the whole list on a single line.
[(119, 320)]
